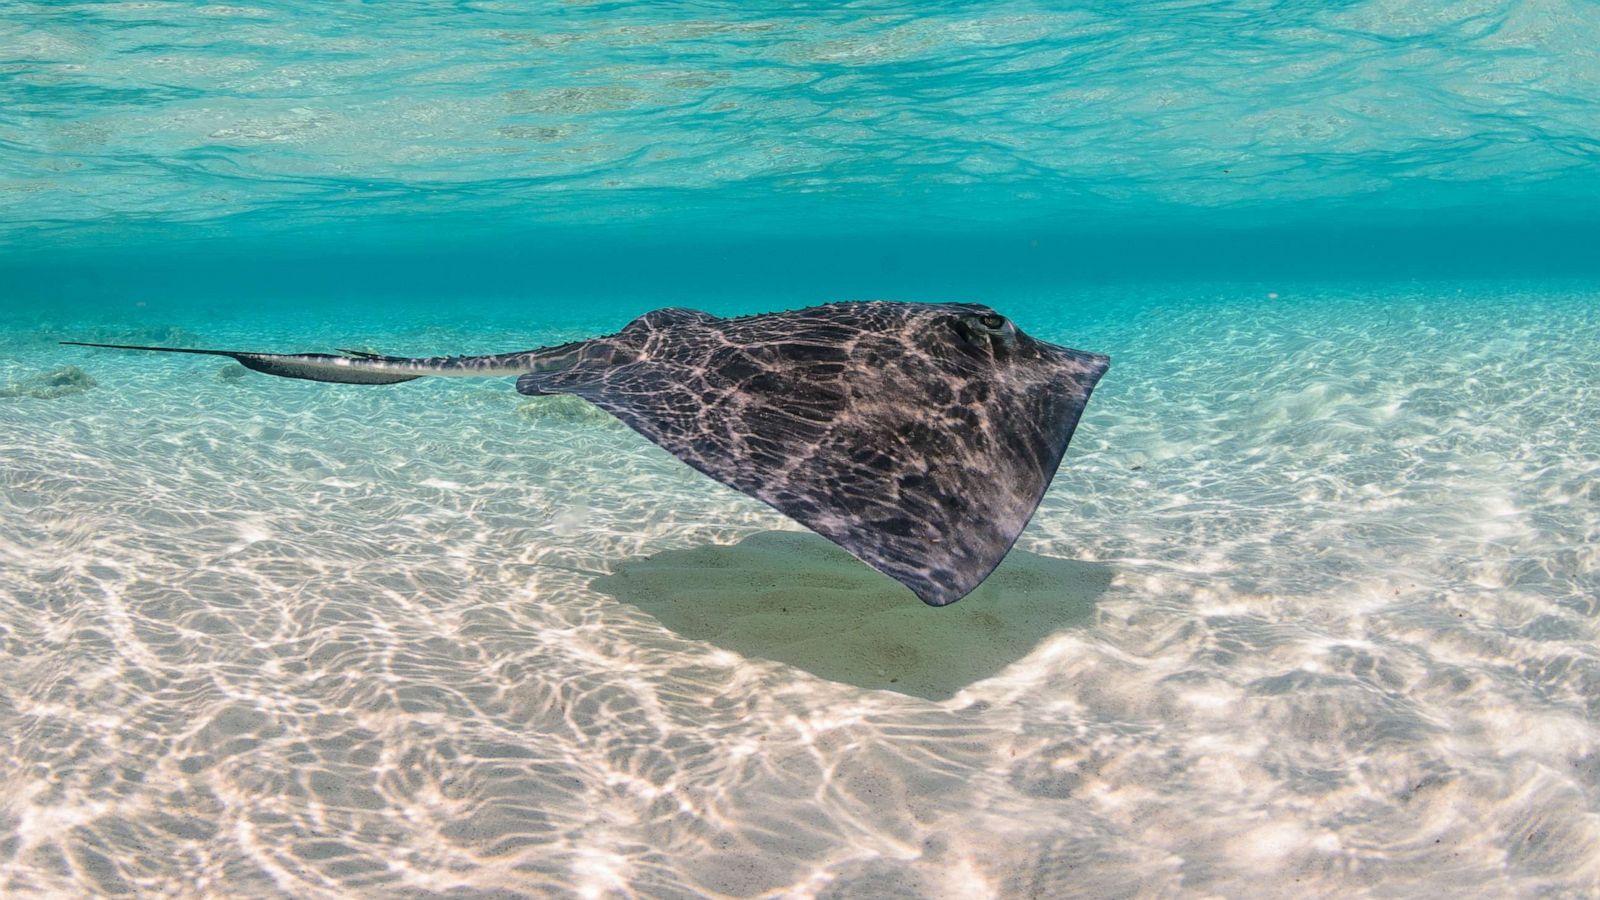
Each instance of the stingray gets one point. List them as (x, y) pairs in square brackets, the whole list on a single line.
[(918, 436)]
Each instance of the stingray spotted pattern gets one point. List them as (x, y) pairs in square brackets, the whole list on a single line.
[(920, 437)]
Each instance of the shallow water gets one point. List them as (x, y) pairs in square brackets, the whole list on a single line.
[(1335, 634), (1310, 609), (154, 114)]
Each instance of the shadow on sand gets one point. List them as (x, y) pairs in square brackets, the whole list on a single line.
[(798, 599)]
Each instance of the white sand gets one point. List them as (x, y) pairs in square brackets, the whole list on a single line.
[(1311, 610)]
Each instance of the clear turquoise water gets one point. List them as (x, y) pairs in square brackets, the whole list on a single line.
[(1427, 135), (1310, 610)]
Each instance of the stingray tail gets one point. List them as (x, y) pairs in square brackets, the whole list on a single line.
[(356, 366)]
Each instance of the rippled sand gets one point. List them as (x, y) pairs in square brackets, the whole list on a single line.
[(1312, 607)]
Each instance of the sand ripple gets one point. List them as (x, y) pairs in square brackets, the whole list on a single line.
[(1311, 609)]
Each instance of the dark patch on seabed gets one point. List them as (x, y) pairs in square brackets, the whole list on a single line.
[(51, 385), (797, 599)]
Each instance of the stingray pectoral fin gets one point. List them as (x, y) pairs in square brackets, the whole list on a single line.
[(359, 366), (932, 506)]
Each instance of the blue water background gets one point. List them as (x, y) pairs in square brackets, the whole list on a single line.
[(775, 154)]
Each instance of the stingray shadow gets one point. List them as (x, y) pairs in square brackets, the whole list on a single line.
[(798, 599)]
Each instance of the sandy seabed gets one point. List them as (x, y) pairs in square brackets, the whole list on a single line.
[(1311, 608)]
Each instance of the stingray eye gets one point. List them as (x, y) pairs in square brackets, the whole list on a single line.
[(992, 320)]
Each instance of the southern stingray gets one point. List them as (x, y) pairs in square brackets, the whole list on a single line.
[(919, 437)]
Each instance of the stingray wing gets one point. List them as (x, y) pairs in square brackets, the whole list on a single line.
[(927, 476)]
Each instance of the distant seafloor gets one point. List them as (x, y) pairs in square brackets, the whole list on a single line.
[(1311, 608)]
